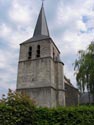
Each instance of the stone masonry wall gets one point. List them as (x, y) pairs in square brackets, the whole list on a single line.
[(42, 96), (37, 75), (34, 74), (44, 50), (71, 95)]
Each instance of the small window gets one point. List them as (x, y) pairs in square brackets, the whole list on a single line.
[(53, 54), (30, 53), (38, 46), (38, 51), (30, 48)]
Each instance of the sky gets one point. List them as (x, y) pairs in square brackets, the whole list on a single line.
[(71, 26)]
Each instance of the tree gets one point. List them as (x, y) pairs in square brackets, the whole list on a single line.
[(84, 69)]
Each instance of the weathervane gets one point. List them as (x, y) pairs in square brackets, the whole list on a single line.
[(42, 1)]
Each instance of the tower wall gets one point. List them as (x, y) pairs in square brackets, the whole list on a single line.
[(60, 86), (33, 74), (44, 47), (41, 77), (31, 71), (40, 73)]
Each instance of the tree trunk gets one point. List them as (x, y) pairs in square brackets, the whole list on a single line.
[(89, 97)]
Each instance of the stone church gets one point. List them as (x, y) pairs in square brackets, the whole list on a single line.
[(41, 72)]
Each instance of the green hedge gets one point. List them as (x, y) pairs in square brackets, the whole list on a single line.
[(44, 116), (16, 116), (65, 116), (19, 110)]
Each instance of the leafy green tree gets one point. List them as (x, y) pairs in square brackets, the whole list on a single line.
[(84, 69)]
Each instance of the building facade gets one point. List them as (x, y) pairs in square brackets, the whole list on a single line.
[(40, 70)]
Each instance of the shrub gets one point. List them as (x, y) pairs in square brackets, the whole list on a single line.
[(17, 109), (65, 116)]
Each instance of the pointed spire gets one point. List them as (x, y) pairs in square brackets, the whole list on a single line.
[(41, 28)]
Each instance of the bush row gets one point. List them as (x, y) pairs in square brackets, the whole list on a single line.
[(22, 115), (65, 116), (19, 110)]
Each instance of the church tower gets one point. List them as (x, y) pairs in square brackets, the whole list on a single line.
[(40, 71)]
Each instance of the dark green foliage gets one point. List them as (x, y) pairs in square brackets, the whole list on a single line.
[(84, 69), (20, 110), (16, 109), (65, 116)]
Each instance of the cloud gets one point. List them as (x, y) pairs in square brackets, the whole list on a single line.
[(13, 31), (8, 69), (19, 36), (70, 74), (18, 13), (20, 24), (75, 33), (21, 12), (4, 30), (71, 25), (74, 20), (15, 36)]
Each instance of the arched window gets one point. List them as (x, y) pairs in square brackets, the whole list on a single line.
[(30, 53), (53, 54), (38, 46), (38, 51), (30, 48)]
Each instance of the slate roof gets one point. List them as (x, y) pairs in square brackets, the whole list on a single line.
[(41, 28), (41, 31)]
